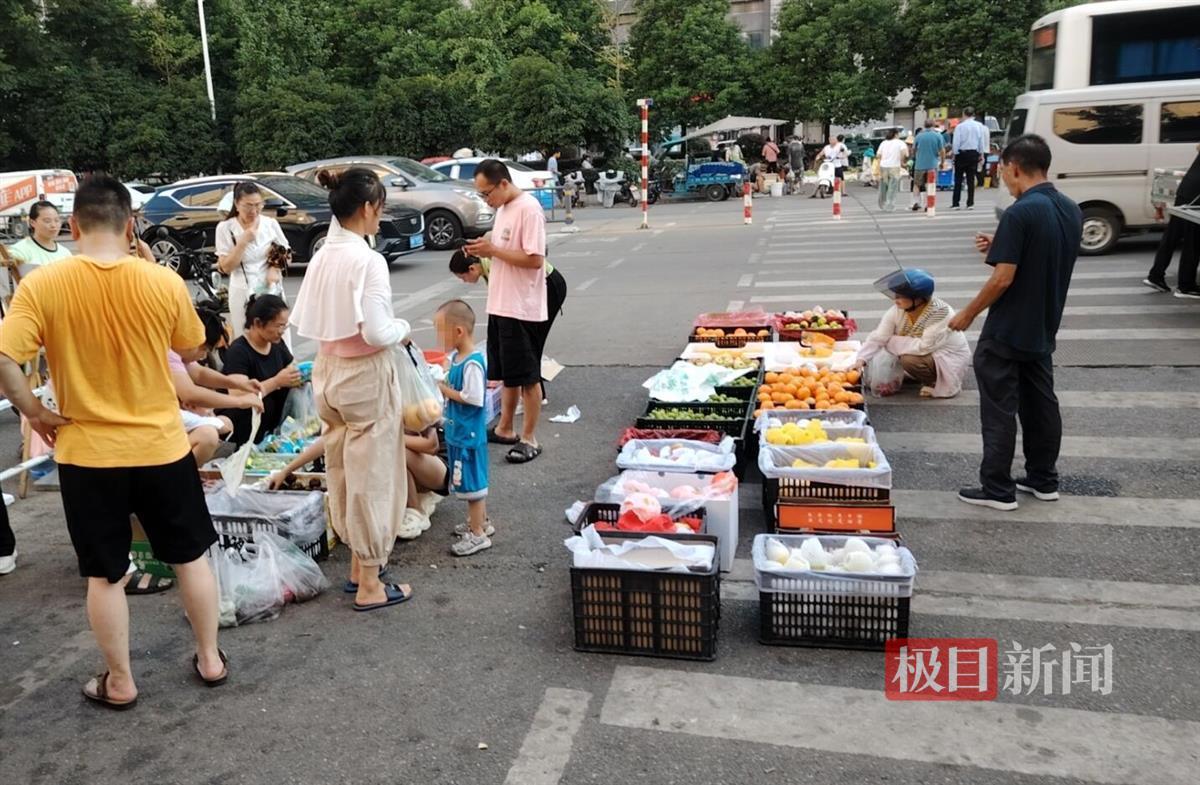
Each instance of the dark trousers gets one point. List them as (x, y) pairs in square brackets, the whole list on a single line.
[(8, 541), (1011, 386), (1178, 231), (965, 164)]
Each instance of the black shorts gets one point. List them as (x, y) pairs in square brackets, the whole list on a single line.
[(168, 501), (840, 173), (556, 295), (513, 353)]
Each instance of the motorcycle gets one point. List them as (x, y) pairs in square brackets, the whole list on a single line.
[(825, 177), (199, 264)]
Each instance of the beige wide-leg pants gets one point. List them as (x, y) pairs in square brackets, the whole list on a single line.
[(358, 400)]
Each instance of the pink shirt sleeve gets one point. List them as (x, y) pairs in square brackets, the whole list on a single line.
[(531, 229), (175, 362)]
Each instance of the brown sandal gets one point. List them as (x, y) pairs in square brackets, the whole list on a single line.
[(96, 691), (217, 682)]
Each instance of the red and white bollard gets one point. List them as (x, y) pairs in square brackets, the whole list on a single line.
[(837, 198), (930, 193), (644, 104), (746, 219)]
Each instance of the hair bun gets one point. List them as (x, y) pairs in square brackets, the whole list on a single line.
[(329, 179)]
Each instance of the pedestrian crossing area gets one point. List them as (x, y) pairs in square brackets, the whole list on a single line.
[(1111, 564)]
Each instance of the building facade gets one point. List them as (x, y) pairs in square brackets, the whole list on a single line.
[(755, 17)]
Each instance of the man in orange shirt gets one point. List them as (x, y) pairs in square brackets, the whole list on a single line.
[(106, 320)]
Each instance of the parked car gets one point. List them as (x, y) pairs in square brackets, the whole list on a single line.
[(139, 193), (451, 210), (523, 177), (301, 208)]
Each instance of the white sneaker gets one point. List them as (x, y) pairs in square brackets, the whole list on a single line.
[(470, 544), (8, 563), (926, 392), (462, 529), (428, 502), (413, 525)]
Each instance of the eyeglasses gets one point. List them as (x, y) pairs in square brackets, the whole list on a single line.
[(488, 193)]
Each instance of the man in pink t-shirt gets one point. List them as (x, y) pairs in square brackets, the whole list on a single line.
[(516, 304)]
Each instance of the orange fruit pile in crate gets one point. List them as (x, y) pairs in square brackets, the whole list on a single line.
[(809, 388)]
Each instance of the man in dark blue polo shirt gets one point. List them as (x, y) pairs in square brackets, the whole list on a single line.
[(1032, 256)]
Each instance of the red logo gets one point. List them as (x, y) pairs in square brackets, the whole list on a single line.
[(941, 669)]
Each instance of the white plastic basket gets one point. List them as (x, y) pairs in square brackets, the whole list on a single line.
[(770, 577), (852, 417), (775, 463)]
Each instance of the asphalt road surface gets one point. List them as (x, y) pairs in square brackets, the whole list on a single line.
[(483, 653)]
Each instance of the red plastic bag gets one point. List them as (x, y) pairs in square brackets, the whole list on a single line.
[(683, 434)]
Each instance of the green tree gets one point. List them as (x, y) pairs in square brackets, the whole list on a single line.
[(689, 58), (297, 118), (150, 140), (836, 60), (536, 104), (969, 52), (20, 59), (419, 116)]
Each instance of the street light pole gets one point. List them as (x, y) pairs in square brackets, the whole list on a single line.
[(212, 101)]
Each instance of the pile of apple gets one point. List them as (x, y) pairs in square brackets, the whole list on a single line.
[(814, 319), (740, 332)]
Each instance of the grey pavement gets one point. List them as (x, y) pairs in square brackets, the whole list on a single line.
[(483, 653)]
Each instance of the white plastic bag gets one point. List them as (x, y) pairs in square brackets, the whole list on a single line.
[(300, 576), (233, 468), (650, 554), (884, 374), (419, 396), (250, 584), (677, 455), (776, 462), (684, 382)]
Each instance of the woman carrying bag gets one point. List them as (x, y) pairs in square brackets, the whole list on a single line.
[(345, 304), (243, 244)]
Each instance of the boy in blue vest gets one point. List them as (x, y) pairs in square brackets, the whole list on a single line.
[(465, 423)]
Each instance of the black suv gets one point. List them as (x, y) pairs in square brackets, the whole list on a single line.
[(301, 207)]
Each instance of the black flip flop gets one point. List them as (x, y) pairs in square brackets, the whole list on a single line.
[(495, 438), (395, 596), (523, 452), (100, 696), (217, 682), (350, 587), (145, 583)]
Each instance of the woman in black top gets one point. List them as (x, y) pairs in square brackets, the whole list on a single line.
[(261, 355)]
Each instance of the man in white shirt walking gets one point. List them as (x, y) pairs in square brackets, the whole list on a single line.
[(971, 139), (892, 156)]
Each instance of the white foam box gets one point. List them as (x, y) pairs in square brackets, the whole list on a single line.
[(491, 402), (721, 515)]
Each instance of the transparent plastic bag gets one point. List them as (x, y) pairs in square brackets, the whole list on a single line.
[(677, 455), (301, 578), (300, 419), (419, 396), (884, 374), (250, 584), (298, 516), (777, 462)]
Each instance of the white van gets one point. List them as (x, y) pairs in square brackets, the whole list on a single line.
[(1106, 143), (19, 190)]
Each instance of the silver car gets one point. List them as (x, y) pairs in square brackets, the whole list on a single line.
[(452, 211)]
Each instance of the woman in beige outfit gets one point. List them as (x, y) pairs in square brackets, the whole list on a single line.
[(345, 303)]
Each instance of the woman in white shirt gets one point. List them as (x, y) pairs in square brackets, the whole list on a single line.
[(243, 242), (345, 303), (916, 332)]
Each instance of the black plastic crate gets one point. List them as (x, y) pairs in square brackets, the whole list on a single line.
[(757, 376), (653, 614), (598, 512), (234, 534), (832, 620), (788, 490), (736, 414)]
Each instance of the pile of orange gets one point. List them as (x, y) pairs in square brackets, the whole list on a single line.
[(808, 388), (740, 332)]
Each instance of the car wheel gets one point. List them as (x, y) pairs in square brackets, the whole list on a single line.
[(317, 243), (167, 251), (1101, 230), (714, 192), (442, 230)]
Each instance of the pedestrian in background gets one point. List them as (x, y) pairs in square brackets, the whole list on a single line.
[(1180, 231), (795, 154), (517, 305), (892, 155), (243, 242), (971, 140), (770, 153), (107, 320), (929, 154), (1032, 256)]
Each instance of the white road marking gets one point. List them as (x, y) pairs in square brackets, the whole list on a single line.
[(1072, 399), (735, 305), (862, 297), (586, 284), (745, 281), (1115, 275), (402, 305), (1076, 310), (1157, 606), (547, 747), (1068, 510), (1104, 747), (1141, 448), (637, 248), (615, 263), (49, 668)]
